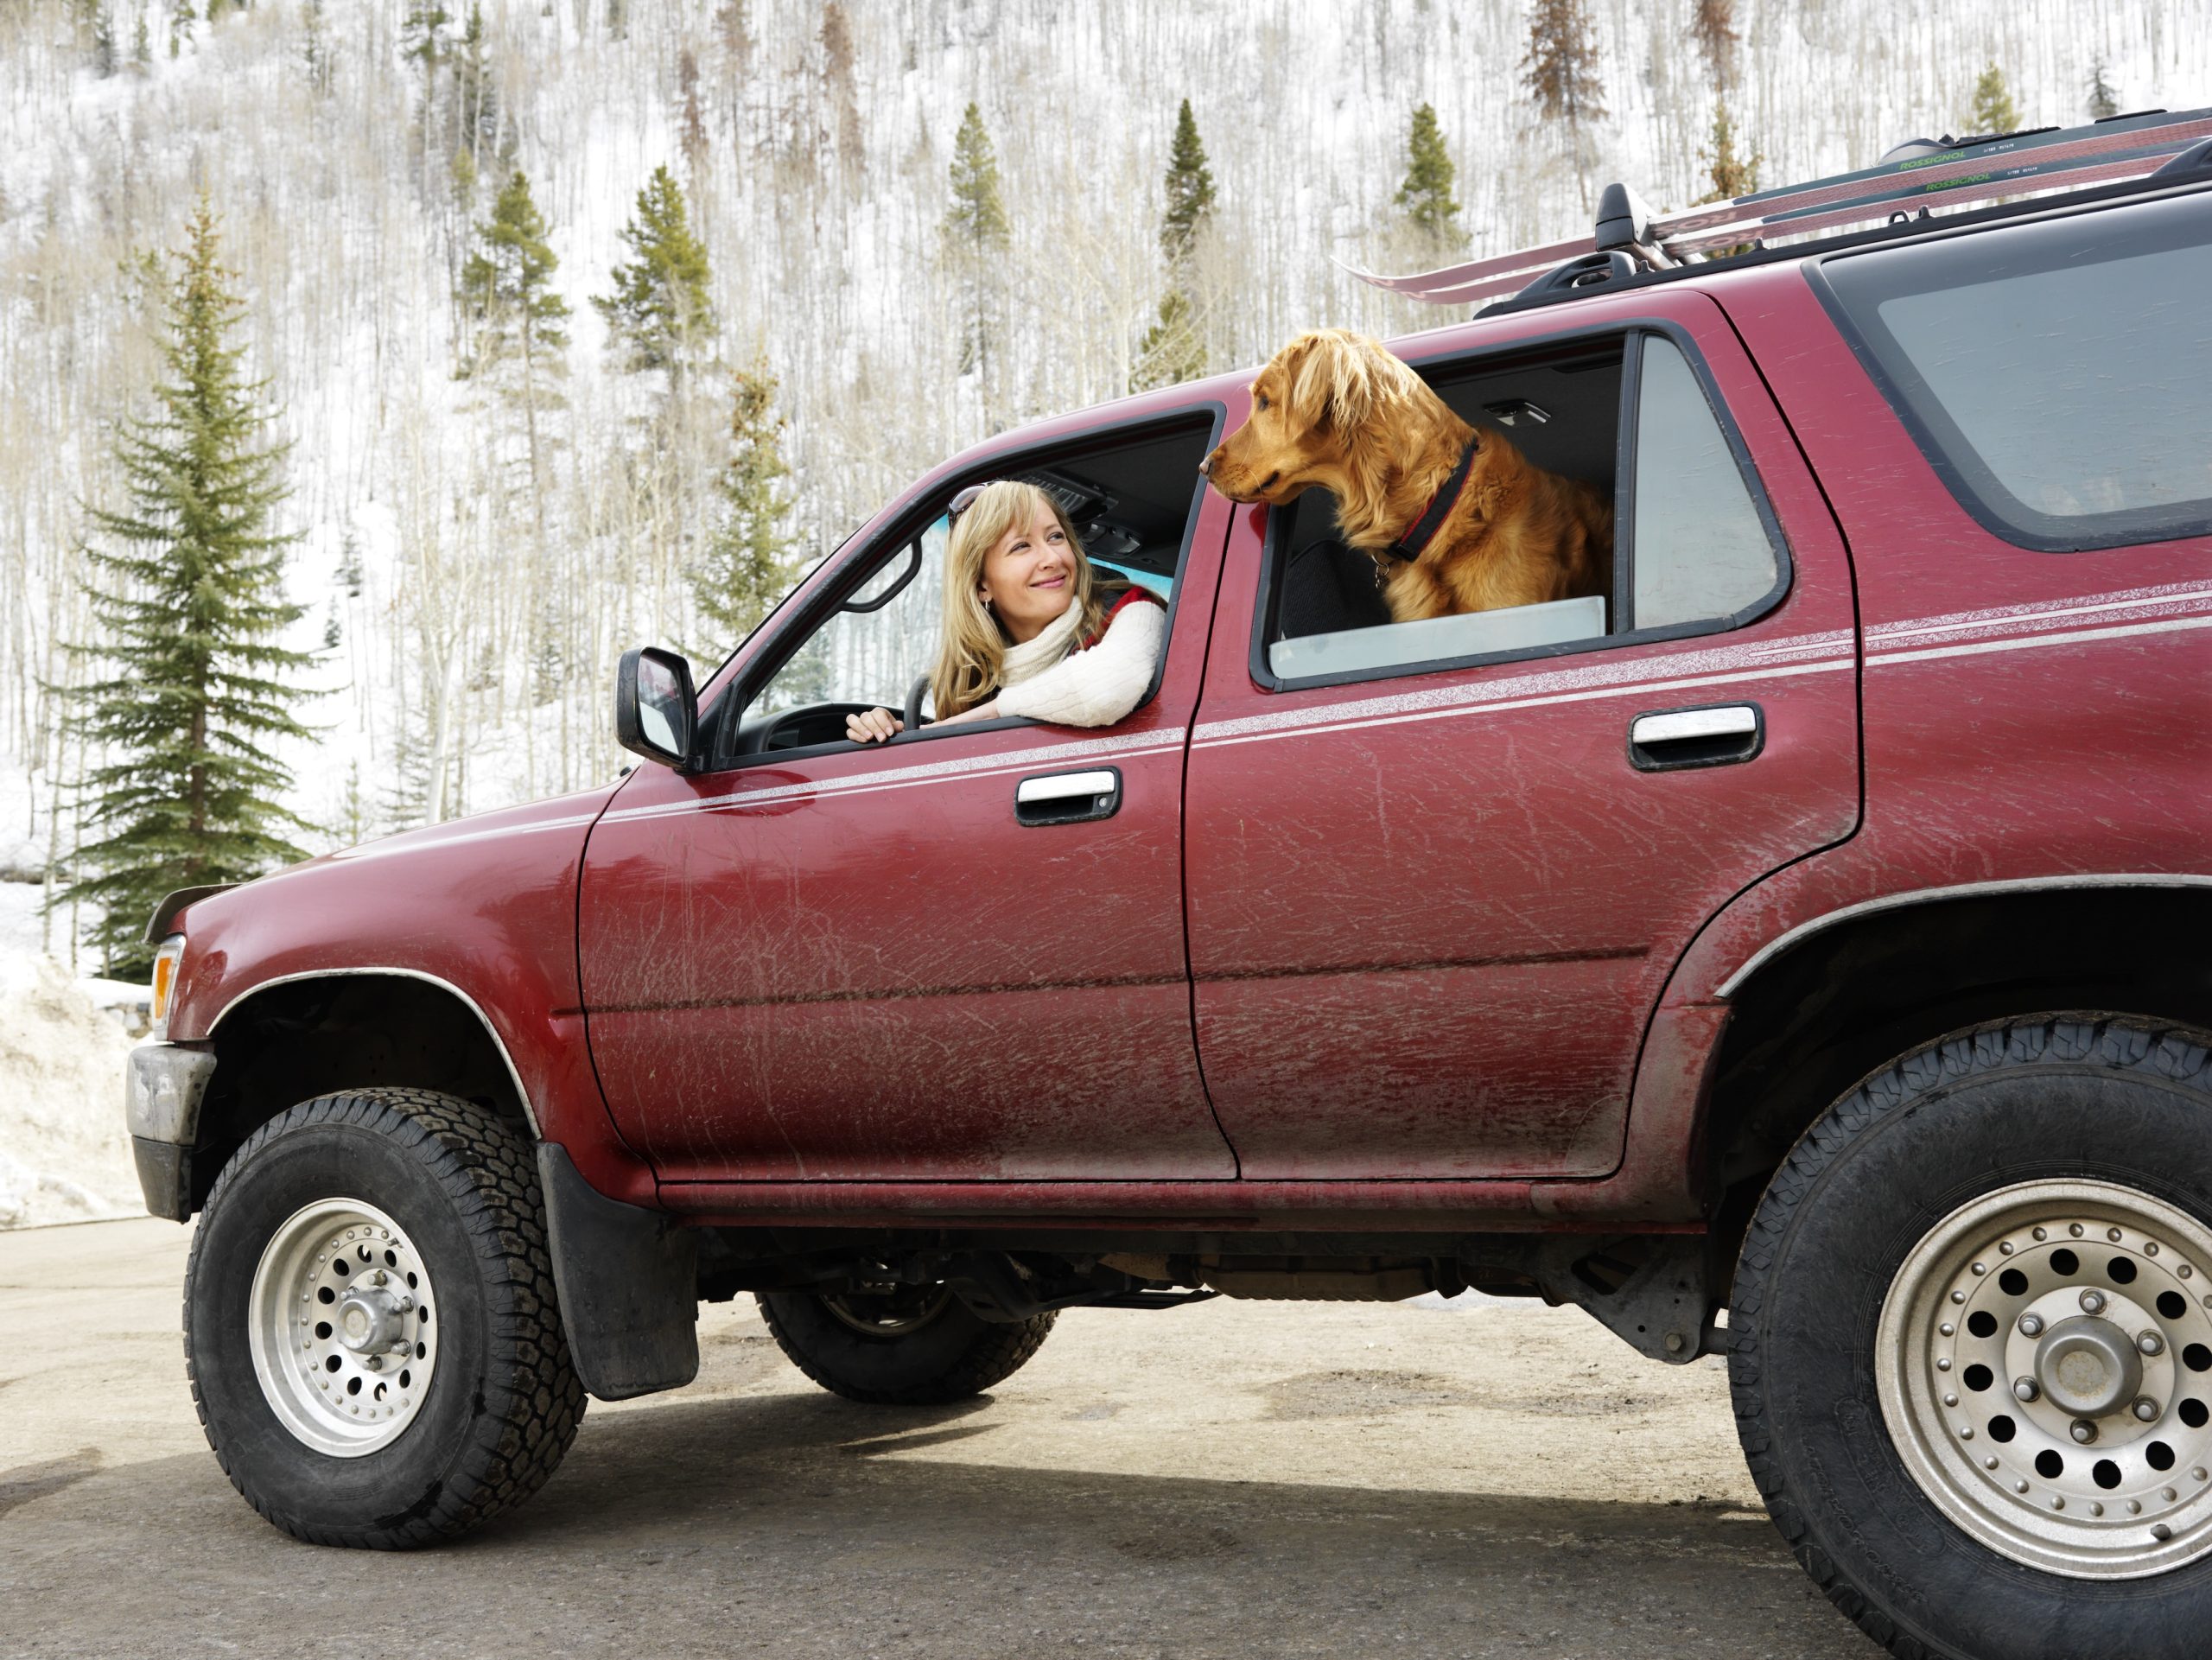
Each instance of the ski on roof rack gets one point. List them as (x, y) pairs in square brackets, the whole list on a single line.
[(1961, 173)]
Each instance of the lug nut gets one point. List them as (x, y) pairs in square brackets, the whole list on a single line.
[(2026, 1389), (2093, 1302), (2151, 1344), (401, 1345), (2146, 1409), (2084, 1431), (2031, 1326), (373, 1362)]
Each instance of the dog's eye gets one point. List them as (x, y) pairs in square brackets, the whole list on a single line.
[(1261, 402)]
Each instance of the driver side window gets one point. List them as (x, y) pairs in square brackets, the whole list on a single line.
[(878, 643)]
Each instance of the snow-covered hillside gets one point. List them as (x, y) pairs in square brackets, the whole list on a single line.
[(475, 621)]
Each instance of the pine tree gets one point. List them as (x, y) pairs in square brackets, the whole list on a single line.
[(1992, 109), (103, 52), (748, 563), (141, 48), (1426, 192), (1174, 349), (1562, 70), (1190, 190), (2104, 101), (1714, 25), (190, 597), (314, 46), (659, 312), (183, 20), (1171, 351), (1732, 176), (975, 232), (508, 287), (476, 98)]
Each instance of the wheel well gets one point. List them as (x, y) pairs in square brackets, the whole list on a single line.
[(1812, 1023), (292, 1042)]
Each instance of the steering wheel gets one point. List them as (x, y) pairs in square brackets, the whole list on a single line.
[(911, 719)]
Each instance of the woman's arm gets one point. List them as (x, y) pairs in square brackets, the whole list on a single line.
[(1099, 686)]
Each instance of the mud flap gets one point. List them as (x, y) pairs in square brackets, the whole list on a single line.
[(628, 1282)]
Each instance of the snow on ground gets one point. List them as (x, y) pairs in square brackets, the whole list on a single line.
[(65, 1155)]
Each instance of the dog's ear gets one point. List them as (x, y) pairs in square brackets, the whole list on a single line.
[(1331, 382)]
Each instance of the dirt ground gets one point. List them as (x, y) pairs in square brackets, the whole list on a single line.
[(1231, 1480)]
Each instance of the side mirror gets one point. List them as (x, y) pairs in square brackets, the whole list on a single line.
[(656, 712)]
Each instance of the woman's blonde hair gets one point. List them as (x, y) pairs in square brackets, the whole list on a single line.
[(973, 655)]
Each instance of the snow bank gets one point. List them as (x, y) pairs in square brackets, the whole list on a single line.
[(65, 1155)]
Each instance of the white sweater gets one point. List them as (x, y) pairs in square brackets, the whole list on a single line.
[(1047, 681)]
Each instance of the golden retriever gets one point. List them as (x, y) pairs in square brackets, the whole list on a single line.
[(1335, 410)]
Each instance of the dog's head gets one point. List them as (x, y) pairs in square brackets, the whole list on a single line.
[(1310, 406)]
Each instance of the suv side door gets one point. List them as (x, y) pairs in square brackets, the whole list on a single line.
[(1432, 905), (822, 960)]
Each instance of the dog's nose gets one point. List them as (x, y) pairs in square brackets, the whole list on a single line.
[(1206, 466)]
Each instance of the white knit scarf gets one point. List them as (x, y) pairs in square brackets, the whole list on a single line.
[(1041, 654)]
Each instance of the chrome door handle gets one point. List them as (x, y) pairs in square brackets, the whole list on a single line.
[(1068, 798), (1670, 740)]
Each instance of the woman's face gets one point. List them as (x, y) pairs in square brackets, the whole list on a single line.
[(1029, 576)]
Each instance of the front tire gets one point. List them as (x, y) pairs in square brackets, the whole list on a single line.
[(905, 1346), (370, 1329), (1971, 1344)]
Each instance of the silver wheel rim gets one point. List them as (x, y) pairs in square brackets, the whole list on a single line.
[(892, 1311), (2045, 1373), (343, 1324)]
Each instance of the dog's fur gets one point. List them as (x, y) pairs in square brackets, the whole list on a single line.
[(1336, 411)]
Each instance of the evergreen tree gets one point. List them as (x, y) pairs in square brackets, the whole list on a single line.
[(1174, 349), (476, 98), (1561, 69), (2104, 102), (1992, 109), (1732, 175), (314, 46), (183, 20), (1714, 25), (1171, 351), (1426, 192), (748, 563), (1190, 190), (659, 312), (102, 50), (976, 232), (508, 287), (141, 48), (191, 599)]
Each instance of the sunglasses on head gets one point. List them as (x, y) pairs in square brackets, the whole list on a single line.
[(964, 498)]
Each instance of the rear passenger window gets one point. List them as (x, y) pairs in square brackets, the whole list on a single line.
[(1701, 552), (1629, 417), (2058, 375)]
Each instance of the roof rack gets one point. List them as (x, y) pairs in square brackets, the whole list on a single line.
[(1961, 172)]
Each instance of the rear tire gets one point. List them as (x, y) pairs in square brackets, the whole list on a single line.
[(912, 1346), (371, 1330), (1956, 1208)]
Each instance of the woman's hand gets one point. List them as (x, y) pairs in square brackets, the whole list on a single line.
[(873, 726)]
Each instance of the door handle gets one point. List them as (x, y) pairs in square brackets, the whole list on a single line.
[(1068, 798), (1677, 739)]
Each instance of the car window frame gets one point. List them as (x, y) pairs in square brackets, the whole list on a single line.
[(1630, 332), (1933, 448), (862, 564)]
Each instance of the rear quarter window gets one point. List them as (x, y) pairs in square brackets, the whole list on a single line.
[(2058, 375)]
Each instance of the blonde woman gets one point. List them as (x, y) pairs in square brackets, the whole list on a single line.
[(1031, 629)]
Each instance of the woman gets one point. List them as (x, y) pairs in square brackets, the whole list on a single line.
[(1030, 627)]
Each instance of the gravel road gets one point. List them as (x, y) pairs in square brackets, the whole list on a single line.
[(1231, 1480)]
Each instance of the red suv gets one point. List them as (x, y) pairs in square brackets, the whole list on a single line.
[(1800, 951)]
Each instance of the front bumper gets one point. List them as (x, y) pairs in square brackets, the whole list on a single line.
[(164, 1087)]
